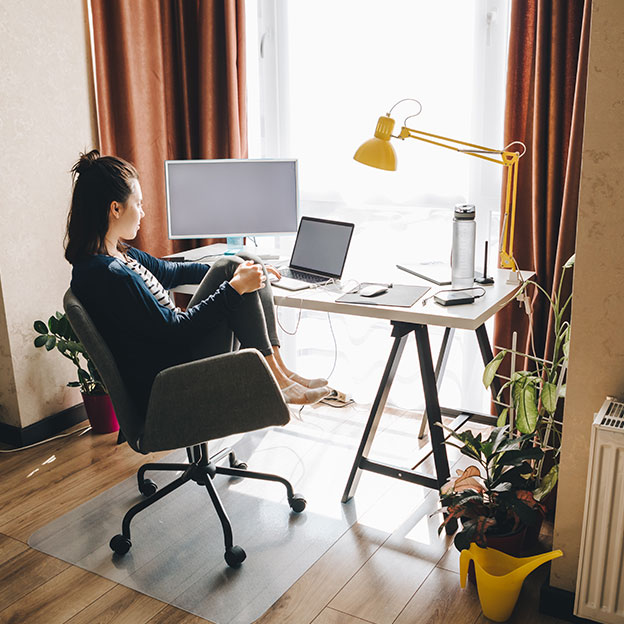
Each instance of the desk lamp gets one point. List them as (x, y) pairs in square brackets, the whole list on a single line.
[(378, 152)]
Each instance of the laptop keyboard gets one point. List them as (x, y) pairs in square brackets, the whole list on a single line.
[(304, 277)]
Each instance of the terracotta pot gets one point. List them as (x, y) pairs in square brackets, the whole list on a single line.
[(100, 413), (511, 543)]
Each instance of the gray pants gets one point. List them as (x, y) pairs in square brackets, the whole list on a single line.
[(252, 323)]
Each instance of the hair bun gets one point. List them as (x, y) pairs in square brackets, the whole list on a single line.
[(85, 162)]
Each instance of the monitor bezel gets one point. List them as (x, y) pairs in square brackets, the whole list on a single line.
[(295, 161)]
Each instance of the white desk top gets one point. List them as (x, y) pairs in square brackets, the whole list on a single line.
[(467, 316)]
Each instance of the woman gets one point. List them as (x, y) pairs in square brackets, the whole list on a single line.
[(125, 290)]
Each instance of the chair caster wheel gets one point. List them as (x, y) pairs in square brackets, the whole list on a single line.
[(235, 463), (235, 556), (297, 503), (120, 544), (148, 487)]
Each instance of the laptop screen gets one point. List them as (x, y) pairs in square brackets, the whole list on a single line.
[(321, 246)]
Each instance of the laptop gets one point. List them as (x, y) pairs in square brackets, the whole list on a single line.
[(319, 254)]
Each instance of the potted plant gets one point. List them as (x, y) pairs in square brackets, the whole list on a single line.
[(534, 408), (492, 498), (59, 334)]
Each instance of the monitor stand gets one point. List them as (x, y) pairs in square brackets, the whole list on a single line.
[(234, 245)]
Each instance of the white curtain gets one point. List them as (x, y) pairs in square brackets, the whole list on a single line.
[(326, 70)]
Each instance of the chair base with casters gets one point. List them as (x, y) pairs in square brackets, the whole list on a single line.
[(201, 469)]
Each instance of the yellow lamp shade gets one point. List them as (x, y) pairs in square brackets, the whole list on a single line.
[(378, 151)]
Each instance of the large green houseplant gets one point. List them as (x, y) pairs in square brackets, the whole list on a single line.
[(493, 496), (58, 334), (534, 406)]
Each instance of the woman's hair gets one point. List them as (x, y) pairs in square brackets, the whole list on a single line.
[(97, 181)]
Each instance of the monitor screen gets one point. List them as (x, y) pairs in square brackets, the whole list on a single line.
[(216, 198)]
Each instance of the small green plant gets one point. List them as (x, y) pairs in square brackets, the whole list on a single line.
[(494, 496), (534, 394), (59, 334)]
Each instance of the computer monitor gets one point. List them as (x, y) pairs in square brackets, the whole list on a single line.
[(230, 198)]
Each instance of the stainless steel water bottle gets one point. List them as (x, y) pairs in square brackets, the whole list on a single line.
[(463, 253)]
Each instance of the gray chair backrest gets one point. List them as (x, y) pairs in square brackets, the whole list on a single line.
[(130, 421)]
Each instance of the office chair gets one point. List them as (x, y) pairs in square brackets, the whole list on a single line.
[(189, 405)]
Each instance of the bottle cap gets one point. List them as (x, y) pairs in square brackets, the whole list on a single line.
[(464, 211)]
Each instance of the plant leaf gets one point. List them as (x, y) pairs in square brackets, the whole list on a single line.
[(549, 397), (510, 443), (487, 449), (566, 342), (498, 436), (470, 452), (502, 419), (50, 343), (524, 396), (490, 370), (40, 327), (548, 483), (516, 458), (41, 340), (53, 325), (64, 329), (465, 480)]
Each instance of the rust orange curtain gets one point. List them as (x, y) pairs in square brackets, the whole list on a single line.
[(546, 79), (170, 84)]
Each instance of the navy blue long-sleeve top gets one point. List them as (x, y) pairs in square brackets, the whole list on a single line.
[(144, 336)]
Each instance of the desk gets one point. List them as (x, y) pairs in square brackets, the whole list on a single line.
[(406, 321), (416, 320)]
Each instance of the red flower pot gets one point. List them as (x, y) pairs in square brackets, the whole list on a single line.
[(100, 413)]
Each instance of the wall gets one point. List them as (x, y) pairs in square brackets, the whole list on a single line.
[(597, 341), (46, 117)]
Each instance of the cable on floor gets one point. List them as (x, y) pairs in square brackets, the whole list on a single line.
[(62, 435)]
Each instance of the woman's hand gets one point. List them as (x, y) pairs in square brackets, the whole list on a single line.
[(248, 277), (274, 271)]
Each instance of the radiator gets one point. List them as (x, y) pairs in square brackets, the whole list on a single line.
[(600, 580)]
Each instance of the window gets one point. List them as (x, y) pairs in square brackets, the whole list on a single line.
[(320, 74)]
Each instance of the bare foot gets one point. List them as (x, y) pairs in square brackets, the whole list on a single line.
[(297, 394), (308, 383)]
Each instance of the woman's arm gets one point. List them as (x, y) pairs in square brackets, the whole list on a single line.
[(170, 274), (144, 315)]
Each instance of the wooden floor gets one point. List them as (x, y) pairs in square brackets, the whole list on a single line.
[(389, 568)]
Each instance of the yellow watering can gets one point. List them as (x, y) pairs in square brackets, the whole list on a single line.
[(499, 577)]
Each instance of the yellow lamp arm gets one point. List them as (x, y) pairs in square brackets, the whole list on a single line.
[(500, 157)]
